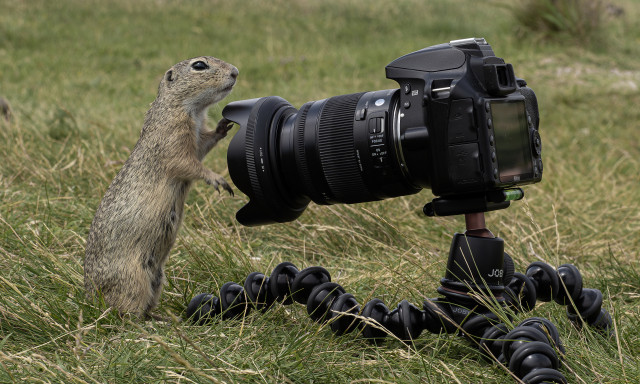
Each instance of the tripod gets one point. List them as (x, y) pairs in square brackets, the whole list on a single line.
[(479, 284)]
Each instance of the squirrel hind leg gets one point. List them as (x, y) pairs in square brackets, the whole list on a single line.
[(130, 293), (157, 283)]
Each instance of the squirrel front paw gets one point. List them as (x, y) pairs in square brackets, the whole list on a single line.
[(224, 126), (218, 181)]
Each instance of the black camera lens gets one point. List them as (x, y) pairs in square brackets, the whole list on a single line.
[(337, 150)]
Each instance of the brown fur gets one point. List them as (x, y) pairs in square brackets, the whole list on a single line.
[(136, 223)]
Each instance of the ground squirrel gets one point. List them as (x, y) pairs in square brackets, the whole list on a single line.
[(136, 223)]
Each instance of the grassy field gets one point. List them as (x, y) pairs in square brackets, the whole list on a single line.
[(80, 76)]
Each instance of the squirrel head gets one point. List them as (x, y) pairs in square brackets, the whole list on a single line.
[(197, 83)]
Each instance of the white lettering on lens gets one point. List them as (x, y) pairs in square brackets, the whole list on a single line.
[(262, 159)]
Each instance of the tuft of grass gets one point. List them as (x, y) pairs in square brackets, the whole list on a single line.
[(581, 20)]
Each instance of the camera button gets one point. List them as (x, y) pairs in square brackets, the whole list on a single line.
[(407, 88), (489, 123), (375, 125), (493, 156), (406, 105), (536, 143)]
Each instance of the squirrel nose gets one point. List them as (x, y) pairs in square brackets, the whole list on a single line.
[(234, 73)]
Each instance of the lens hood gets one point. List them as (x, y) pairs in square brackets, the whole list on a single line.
[(252, 160)]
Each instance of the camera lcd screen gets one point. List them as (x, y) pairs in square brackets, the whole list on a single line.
[(511, 135)]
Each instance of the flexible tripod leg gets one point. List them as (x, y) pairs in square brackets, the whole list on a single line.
[(478, 273)]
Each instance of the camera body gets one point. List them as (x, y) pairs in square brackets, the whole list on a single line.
[(460, 124), (478, 122)]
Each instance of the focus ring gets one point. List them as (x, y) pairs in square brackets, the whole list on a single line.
[(336, 149)]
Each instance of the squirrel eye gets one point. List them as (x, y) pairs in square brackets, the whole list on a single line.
[(199, 66)]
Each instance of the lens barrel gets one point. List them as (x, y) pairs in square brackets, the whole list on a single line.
[(323, 152), (336, 150)]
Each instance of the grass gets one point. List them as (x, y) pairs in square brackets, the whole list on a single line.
[(81, 74), (578, 19)]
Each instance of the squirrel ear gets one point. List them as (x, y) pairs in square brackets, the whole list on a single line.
[(169, 76)]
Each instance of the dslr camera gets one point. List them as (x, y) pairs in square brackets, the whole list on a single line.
[(461, 124)]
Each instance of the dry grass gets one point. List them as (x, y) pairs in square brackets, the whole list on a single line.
[(80, 75)]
